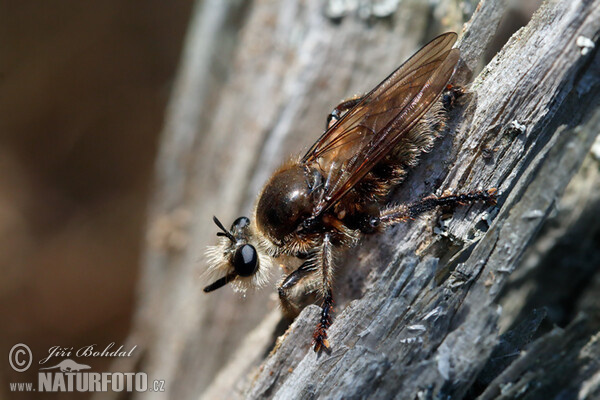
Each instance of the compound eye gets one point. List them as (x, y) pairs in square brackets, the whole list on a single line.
[(245, 260), (240, 223)]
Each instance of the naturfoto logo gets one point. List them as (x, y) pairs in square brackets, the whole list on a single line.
[(69, 366), (68, 375)]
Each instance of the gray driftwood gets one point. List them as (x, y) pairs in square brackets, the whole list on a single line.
[(418, 313)]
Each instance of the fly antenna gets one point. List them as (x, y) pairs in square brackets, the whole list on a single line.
[(225, 232)]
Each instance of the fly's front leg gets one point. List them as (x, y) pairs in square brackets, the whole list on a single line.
[(341, 109), (302, 281), (405, 212)]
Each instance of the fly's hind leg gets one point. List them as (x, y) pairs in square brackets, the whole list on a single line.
[(405, 212), (450, 95), (341, 109)]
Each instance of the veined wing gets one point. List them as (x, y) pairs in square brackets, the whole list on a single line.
[(348, 150)]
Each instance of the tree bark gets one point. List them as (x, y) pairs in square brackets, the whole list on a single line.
[(418, 312)]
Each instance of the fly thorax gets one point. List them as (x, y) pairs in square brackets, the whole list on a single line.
[(286, 201)]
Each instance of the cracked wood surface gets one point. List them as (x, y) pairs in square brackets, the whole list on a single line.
[(416, 311)]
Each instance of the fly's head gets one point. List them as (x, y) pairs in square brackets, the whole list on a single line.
[(239, 258)]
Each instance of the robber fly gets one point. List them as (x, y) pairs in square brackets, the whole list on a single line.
[(337, 191)]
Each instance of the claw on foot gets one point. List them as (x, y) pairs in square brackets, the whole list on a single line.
[(493, 195), (320, 341), (321, 345)]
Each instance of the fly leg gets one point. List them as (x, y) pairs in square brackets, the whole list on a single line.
[(305, 280), (450, 95), (341, 109), (302, 281), (405, 212), (325, 259)]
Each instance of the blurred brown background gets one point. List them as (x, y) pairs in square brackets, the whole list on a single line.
[(83, 88)]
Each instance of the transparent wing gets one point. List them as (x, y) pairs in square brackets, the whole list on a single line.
[(348, 150)]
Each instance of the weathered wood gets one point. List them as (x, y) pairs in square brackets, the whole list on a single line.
[(562, 263), (417, 313), (562, 361)]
